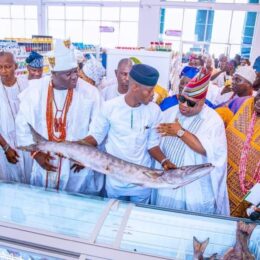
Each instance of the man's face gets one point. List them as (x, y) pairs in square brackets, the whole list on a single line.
[(144, 94), (122, 75), (240, 86), (65, 79), (183, 82), (7, 67), (189, 106), (34, 73)]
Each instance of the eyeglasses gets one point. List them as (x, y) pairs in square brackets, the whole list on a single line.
[(190, 103)]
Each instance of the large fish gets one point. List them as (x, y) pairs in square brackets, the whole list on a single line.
[(121, 170)]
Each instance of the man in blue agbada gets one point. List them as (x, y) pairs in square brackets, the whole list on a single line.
[(34, 65)]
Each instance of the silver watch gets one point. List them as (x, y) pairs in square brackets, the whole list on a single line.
[(180, 132)]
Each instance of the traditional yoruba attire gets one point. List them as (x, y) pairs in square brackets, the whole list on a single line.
[(37, 109), (237, 132), (20, 171), (230, 107), (35, 60), (209, 193), (189, 72), (94, 70), (130, 134)]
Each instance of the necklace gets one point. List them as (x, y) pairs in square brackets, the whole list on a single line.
[(8, 100), (58, 123), (244, 156)]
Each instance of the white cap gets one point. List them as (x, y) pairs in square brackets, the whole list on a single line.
[(247, 73), (94, 70), (64, 57)]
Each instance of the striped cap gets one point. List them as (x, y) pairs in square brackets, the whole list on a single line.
[(198, 86)]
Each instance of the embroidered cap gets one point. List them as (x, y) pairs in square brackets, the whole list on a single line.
[(198, 86), (247, 73), (144, 74), (35, 60), (64, 58), (94, 70)]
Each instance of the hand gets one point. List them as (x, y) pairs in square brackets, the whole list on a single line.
[(226, 89), (168, 165), (77, 167), (43, 159), (169, 129), (12, 156)]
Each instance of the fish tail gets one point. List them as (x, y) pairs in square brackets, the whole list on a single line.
[(37, 138)]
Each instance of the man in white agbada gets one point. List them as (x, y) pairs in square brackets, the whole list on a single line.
[(120, 87), (192, 134), (59, 108), (14, 165), (129, 123)]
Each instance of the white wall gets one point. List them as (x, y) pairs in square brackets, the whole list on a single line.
[(149, 22)]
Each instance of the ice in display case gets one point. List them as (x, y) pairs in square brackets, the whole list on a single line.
[(42, 224)]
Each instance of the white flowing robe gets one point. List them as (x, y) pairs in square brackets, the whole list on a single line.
[(209, 193), (85, 104), (19, 172), (130, 133)]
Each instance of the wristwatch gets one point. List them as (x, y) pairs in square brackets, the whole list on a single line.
[(180, 132)]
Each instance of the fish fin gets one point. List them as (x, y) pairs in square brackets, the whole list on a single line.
[(151, 174), (37, 138)]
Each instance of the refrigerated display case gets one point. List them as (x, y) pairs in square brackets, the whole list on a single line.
[(36, 223)]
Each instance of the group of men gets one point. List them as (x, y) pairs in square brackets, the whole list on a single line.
[(120, 118)]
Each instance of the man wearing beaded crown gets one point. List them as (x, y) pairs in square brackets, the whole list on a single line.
[(59, 108), (193, 133), (14, 165)]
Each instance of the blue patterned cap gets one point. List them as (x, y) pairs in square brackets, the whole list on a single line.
[(144, 74), (35, 60)]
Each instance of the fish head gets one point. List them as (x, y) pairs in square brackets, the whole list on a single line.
[(184, 175)]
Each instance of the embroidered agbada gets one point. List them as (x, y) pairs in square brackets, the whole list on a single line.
[(20, 171), (236, 136), (208, 194), (84, 106)]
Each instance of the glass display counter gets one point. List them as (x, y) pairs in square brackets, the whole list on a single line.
[(43, 224)]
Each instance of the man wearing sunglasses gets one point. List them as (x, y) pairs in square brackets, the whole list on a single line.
[(193, 133)]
